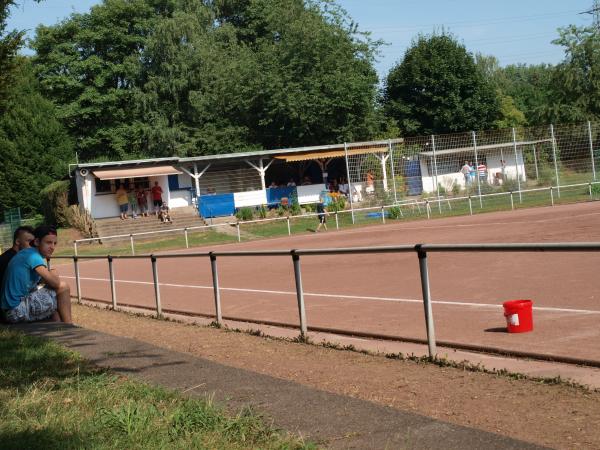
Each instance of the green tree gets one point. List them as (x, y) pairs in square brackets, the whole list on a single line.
[(576, 81), (89, 65), (35, 149), (438, 88)]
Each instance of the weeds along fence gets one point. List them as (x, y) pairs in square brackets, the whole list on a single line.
[(421, 250), (411, 209)]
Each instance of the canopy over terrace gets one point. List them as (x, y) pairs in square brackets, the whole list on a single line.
[(237, 172)]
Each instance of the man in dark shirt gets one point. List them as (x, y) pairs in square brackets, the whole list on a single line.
[(21, 240)]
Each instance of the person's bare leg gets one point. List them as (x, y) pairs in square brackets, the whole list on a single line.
[(63, 300)]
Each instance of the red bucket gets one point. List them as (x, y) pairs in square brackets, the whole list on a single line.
[(519, 317)]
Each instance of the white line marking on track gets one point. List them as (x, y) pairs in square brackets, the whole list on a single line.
[(343, 296)]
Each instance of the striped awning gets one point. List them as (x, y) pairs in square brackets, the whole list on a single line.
[(332, 153), (139, 172)]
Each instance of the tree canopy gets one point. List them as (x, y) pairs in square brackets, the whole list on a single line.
[(158, 77), (438, 88)]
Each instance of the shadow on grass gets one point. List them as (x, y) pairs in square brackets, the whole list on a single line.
[(46, 439)]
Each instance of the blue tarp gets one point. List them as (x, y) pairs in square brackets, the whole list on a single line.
[(216, 205), (412, 173), (274, 195)]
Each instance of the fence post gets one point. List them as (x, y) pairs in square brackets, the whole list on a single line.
[(514, 134), (132, 245), (437, 185), (349, 182), (592, 149), (551, 196), (427, 208), (477, 169), (156, 286), (383, 213), (113, 289), (512, 202), (288, 225), (393, 172), (187, 242), (239, 234), (555, 162), (75, 248), (591, 196), (215, 275), (470, 206), (77, 279), (423, 269), (299, 293), (535, 161), (337, 223)]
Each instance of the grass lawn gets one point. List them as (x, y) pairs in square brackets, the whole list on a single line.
[(52, 399)]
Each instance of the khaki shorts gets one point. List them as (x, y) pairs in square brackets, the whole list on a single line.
[(38, 305)]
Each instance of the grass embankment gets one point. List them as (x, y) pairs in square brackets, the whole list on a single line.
[(52, 399)]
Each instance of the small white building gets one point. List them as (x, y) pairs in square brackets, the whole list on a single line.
[(501, 161)]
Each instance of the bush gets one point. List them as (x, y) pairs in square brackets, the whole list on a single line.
[(55, 203), (596, 189), (309, 208), (394, 212), (281, 211), (244, 214), (262, 212)]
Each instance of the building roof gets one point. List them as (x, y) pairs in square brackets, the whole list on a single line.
[(312, 150), (483, 148)]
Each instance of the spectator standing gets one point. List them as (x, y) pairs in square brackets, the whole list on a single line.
[(157, 197), (22, 299), (370, 179), (321, 214), (291, 183), (22, 238), (482, 172), (122, 201), (132, 197), (142, 201), (466, 171)]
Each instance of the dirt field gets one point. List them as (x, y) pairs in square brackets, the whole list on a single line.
[(557, 416), (381, 293)]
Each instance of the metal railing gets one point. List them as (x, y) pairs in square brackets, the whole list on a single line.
[(421, 250), (380, 211)]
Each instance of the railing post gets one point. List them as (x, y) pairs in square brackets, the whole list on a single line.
[(470, 205), (239, 234), (383, 214), (215, 275), (299, 293), (77, 279), (512, 202), (132, 245), (113, 289), (592, 149), (337, 223), (551, 196), (289, 227), (427, 209), (187, 242), (156, 286), (555, 161), (423, 269), (75, 248), (591, 196)]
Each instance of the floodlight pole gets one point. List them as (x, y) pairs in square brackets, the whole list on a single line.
[(349, 182)]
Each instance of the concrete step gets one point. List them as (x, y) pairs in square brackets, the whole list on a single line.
[(111, 227)]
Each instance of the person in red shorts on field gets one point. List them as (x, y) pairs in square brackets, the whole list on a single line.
[(157, 197)]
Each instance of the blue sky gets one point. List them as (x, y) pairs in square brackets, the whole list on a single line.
[(513, 31)]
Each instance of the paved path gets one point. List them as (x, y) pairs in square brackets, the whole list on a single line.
[(334, 420)]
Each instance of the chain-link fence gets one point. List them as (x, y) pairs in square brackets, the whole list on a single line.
[(478, 164)]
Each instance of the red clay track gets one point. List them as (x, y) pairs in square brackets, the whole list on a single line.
[(564, 285)]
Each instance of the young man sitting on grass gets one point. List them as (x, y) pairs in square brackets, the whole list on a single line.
[(22, 298)]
